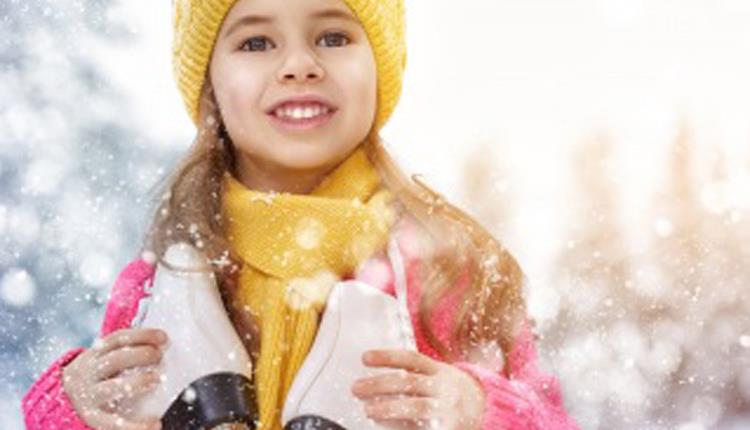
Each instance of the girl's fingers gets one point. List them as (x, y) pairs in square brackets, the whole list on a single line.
[(114, 362), (411, 361), (129, 337), (420, 409), (412, 384), (125, 387), (105, 421)]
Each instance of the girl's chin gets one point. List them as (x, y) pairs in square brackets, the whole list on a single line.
[(304, 161)]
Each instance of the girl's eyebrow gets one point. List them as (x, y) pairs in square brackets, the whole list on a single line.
[(259, 19)]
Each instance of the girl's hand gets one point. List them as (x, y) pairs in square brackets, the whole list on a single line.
[(432, 394), (94, 385)]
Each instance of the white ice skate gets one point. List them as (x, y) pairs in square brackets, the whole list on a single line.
[(358, 317), (205, 370)]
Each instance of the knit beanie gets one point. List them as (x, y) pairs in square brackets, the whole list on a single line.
[(197, 24)]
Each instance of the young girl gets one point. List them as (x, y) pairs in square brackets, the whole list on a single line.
[(288, 177)]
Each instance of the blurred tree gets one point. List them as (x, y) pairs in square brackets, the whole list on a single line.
[(594, 341), (485, 188), (71, 183), (697, 249), (726, 307)]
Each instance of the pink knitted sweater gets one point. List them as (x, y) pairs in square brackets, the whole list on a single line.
[(527, 400)]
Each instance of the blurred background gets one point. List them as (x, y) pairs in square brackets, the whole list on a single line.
[(606, 142)]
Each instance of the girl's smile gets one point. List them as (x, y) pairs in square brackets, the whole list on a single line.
[(301, 113)]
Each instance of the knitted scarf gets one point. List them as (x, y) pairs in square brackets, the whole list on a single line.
[(294, 247)]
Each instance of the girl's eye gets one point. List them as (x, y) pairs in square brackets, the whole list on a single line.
[(336, 39), (254, 44), (259, 43)]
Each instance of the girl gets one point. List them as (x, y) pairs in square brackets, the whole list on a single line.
[(288, 177)]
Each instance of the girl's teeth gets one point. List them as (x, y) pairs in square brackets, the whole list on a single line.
[(300, 112)]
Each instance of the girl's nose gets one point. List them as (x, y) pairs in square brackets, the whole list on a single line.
[(300, 65)]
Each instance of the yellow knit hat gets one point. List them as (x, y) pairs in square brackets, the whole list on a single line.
[(197, 23)]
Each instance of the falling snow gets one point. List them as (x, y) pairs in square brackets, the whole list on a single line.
[(309, 233), (17, 288), (647, 334)]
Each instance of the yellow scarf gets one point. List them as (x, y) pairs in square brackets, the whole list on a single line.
[(294, 248)]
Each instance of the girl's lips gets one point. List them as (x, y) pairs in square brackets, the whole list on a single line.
[(292, 124)]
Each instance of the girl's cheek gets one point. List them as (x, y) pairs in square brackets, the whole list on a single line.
[(239, 91)]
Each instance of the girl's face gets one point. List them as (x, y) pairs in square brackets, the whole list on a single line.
[(275, 51)]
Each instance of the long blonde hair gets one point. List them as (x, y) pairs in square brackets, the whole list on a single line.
[(187, 207)]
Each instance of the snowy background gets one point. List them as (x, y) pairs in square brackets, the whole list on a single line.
[(607, 142)]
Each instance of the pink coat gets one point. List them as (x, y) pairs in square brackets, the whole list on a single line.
[(529, 399)]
